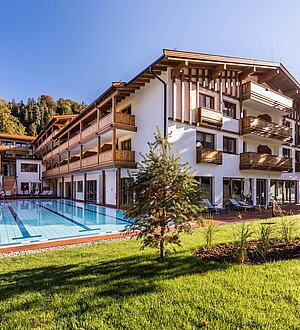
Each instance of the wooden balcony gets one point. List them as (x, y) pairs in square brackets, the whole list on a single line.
[(123, 158), (210, 116), (263, 98), (209, 156), (264, 128), (125, 120), (265, 162), (122, 121)]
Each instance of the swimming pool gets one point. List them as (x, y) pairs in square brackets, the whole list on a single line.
[(31, 221)]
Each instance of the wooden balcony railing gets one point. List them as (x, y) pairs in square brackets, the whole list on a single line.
[(258, 126), (104, 123), (210, 116), (123, 157), (204, 155), (63, 147), (256, 161), (267, 97), (91, 130), (125, 119), (64, 168), (74, 140), (74, 165), (89, 161)]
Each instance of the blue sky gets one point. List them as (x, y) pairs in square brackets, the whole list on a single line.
[(76, 48)]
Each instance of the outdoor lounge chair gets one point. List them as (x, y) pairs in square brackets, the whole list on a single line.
[(213, 208), (50, 193), (235, 205)]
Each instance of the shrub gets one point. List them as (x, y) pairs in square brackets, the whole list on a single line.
[(287, 229), (210, 229), (265, 234), (241, 234)]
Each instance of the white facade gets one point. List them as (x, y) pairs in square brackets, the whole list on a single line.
[(147, 105), (28, 178)]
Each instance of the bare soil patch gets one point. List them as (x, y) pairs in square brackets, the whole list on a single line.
[(278, 250)]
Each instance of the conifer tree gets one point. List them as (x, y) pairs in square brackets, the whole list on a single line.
[(165, 197)]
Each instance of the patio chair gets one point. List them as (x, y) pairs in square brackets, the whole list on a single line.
[(213, 208), (44, 193), (50, 193), (238, 206)]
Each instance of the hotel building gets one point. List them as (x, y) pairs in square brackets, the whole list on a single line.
[(20, 171), (233, 119)]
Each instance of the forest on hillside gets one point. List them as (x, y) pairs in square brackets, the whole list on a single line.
[(31, 117)]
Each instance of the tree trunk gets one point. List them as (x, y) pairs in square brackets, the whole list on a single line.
[(162, 248), (162, 244)]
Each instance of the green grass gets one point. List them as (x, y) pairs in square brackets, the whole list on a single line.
[(117, 286)]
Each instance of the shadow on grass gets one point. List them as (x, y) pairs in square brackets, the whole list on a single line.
[(114, 279)]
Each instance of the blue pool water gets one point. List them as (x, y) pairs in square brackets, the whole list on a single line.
[(27, 221)]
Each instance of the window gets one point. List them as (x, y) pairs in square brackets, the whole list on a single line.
[(29, 167), (286, 153), (229, 145), (229, 109), (286, 123), (126, 145), (206, 101), (24, 186), (244, 146), (79, 186), (205, 183), (205, 140), (7, 143), (126, 110), (297, 156), (262, 149), (20, 144)]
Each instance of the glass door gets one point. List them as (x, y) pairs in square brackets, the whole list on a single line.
[(91, 191), (261, 192)]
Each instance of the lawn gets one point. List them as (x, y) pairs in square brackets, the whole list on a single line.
[(115, 285)]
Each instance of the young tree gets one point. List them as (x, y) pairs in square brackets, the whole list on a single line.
[(165, 197)]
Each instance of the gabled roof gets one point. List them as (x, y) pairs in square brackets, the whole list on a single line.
[(278, 76)]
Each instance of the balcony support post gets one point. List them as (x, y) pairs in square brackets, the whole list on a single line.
[(72, 187), (103, 188), (114, 141), (62, 193), (84, 188), (118, 188), (81, 152), (221, 93), (98, 150), (69, 155)]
